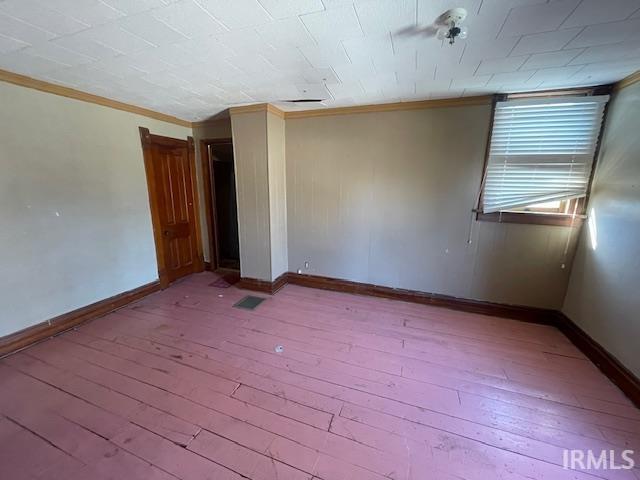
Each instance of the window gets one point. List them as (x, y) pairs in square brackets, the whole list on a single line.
[(541, 156)]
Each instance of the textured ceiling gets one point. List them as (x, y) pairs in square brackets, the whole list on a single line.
[(194, 58)]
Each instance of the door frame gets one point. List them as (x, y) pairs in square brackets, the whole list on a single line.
[(147, 139), (210, 197)]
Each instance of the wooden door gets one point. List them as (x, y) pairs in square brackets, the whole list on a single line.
[(169, 164)]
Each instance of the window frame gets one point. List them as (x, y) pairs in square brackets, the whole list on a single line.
[(577, 206)]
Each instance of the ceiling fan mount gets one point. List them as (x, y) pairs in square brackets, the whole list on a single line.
[(450, 25)]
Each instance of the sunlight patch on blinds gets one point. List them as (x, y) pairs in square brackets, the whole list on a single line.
[(541, 150)]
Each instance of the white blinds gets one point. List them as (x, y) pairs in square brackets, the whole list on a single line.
[(541, 150)]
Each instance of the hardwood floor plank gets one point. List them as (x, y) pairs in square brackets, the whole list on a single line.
[(520, 400), (521, 414), (181, 385)]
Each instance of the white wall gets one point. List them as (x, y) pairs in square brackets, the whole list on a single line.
[(603, 297), (386, 198), (74, 208)]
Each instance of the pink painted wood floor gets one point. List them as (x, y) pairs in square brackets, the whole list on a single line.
[(182, 386)]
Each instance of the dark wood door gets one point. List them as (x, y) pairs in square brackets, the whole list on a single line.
[(172, 194)]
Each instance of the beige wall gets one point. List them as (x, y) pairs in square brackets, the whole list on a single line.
[(73, 205), (386, 198), (252, 173), (277, 195), (259, 153), (603, 295), (211, 130)]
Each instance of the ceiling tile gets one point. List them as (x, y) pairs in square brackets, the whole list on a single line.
[(553, 74), (349, 72), (361, 48), (56, 53), (83, 43), (333, 4), (485, 48), (206, 49), (428, 88), (251, 64), (376, 83), (545, 42), (8, 44), (83, 76), (310, 90), (131, 7), (27, 63), (331, 26), (189, 19), (324, 57), (289, 32), (423, 75), (397, 92), (150, 29), (241, 41), (469, 82), (179, 56), (511, 78), (14, 28), (320, 75), (407, 60), (606, 72), (345, 90), (615, 66), (114, 37), (591, 12), (606, 53), (607, 33), (150, 63), (36, 13), (490, 18), (90, 12), (537, 18), (550, 59), (500, 65), (236, 14), (286, 59), (385, 16), (448, 68), (291, 8), (121, 66)]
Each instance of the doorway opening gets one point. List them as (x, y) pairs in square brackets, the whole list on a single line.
[(220, 203)]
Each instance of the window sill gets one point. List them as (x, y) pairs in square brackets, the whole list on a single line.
[(533, 218)]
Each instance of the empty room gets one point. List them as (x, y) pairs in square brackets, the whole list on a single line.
[(320, 239)]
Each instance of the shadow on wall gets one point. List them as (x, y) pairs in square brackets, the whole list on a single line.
[(222, 115)]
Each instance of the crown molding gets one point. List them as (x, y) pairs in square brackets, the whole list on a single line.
[(627, 81), (28, 82), (390, 107), (381, 107), (257, 107), (209, 122)]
